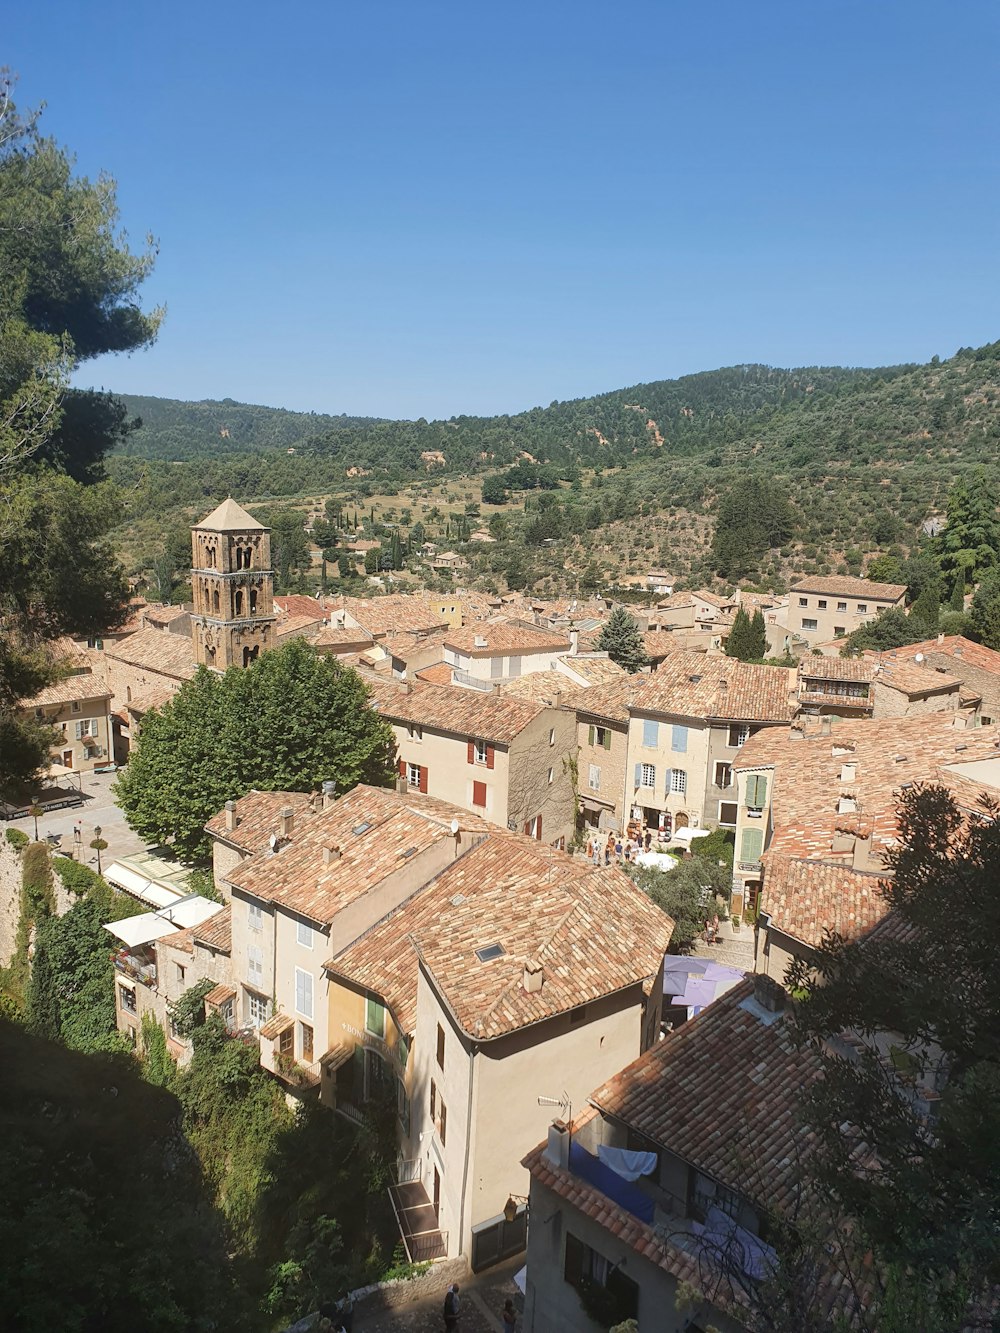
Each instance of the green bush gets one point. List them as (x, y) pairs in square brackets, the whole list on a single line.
[(76, 877), (17, 839), (36, 881), (188, 1012)]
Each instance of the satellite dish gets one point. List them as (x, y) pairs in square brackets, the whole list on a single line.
[(919, 657), (273, 842), (454, 826)]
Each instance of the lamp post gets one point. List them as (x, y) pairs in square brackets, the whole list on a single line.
[(35, 811), (98, 844)]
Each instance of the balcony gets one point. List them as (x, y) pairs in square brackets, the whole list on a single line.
[(136, 967), (422, 1238)]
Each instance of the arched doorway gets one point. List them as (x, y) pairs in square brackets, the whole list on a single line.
[(680, 820)]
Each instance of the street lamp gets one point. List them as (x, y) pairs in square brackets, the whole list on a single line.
[(35, 811), (511, 1206), (98, 845)]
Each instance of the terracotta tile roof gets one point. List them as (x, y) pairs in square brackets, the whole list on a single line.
[(220, 994), (73, 689), (409, 643), (376, 831), (275, 1026), (716, 599), (590, 928), (336, 636), (438, 674), (912, 679), (158, 615), (748, 1070), (609, 702), (155, 697), (217, 931), (502, 638), (593, 668), (258, 815), (393, 612), (844, 586), (696, 685), (296, 627), (953, 647), (676, 601), (463, 712), (660, 643), (805, 898), (543, 687), (298, 604), (152, 650), (180, 939), (835, 668)]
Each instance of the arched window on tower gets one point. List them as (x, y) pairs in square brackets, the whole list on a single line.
[(215, 600), (253, 601), (239, 602)]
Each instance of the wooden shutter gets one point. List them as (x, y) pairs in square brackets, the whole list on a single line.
[(527, 827), (607, 738), (638, 775), (752, 845), (489, 756), (402, 768), (423, 778), (538, 827), (590, 735), (479, 794), (757, 792), (472, 753)]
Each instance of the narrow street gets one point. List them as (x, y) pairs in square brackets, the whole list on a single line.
[(417, 1306)]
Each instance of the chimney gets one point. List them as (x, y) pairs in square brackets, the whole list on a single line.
[(768, 993), (329, 793), (534, 975), (330, 854), (940, 638), (231, 819), (405, 687), (287, 819), (557, 1149), (825, 726), (402, 786), (574, 642)]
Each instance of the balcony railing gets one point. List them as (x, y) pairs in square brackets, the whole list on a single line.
[(136, 971), (408, 1171)]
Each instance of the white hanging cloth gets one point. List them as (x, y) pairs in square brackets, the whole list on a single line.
[(628, 1165)]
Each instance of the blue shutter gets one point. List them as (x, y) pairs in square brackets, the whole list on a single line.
[(650, 734), (638, 775), (679, 739), (751, 845)]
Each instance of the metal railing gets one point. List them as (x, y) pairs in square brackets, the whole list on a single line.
[(142, 972), (409, 1171)]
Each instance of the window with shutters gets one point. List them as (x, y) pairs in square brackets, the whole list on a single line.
[(413, 774), (678, 782), (303, 993), (650, 735), (751, 845), (738, 734), (442, 1124), (479, 795), (727, 813), (440, 1046), (594, 778), (679, 739), (480, 749), (646, 775), (304, 934), (255, 966), (255, 917), (433, 1101), (756, 791), (723, 775), (862, 608), (374, 1017), (807, 623), (601, 737)]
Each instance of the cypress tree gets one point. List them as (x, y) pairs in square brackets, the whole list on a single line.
[(757, 637), (956, 601), (738, 644), (621, 640)]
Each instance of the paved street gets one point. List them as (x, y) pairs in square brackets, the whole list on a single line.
[(416, 1306), (98, 810)]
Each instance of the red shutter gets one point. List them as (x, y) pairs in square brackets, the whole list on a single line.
[(472, 753), (489, 756), (423, 778), (538, 827), (527, 827), (479, 794), (402, 768)]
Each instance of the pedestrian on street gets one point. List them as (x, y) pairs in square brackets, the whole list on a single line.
[(451, 1306), (508, 1316)]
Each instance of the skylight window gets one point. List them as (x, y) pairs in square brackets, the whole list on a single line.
[(491, 951), (409, 852), (361, 828)]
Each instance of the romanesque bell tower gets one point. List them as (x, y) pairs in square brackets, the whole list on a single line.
[(232, 585)]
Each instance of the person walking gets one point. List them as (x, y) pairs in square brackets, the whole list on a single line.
[(451, 1307), (508, 1316)]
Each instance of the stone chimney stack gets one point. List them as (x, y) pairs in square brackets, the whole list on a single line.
[(287, 819), (231, 818), (330, 854), (557, 1148), (574, 642), (402, 786), (534, 975), (329, 793)]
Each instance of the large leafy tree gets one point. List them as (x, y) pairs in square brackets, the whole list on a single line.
[(621, 640), (292, 720), (916, 1162), (984, 613), (69, 292), (892, 629), (690, 893)]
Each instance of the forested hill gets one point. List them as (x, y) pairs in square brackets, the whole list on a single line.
[(680, 415)]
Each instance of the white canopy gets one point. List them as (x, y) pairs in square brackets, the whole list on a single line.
[(139, 886), (148, 926), (658, 860)]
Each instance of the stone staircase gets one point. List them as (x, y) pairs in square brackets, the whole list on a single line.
[(733, 948)]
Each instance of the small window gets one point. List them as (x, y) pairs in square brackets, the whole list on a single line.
[(809, 624), (440, 1046), (601, 737), (648, 775), (126, 998), (841, 606), (727, 813), (416, 732), (488, 953), (480, 749), (374, 1017), (594, 777), (839, 631), (74, 706), (738, 735), (803, 601), (255, 917), (862, 608), (678, 782), (180, 973), (433, 1101), (413, 774), (821, 604), (304, 934)]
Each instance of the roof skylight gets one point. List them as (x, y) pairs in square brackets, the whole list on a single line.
[(489, 952)]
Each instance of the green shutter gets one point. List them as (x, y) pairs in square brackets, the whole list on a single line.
[(752, 845), (590, 736), (756, 791), (374, 1017), (607, 738)]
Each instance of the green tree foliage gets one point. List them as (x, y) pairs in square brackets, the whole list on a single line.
[(924, 1203), (289, 546), (17, 839), (69, 293), (621, 640), (984, 611), (494, 491), (157, 1065), (292, 720), (970, 543), (925, 612), (747, 639), (693, 890), (891, 629), (89, 1151), (76, 877), (885, 569), (188, 1011), (717, 846), (753, 516)]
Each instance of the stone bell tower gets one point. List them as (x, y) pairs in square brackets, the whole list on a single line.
[(232, 584)]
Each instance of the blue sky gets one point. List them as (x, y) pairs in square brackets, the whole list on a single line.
[(430, 207)]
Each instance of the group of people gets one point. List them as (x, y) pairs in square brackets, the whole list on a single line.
[(452, 1307), (617, 849)]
